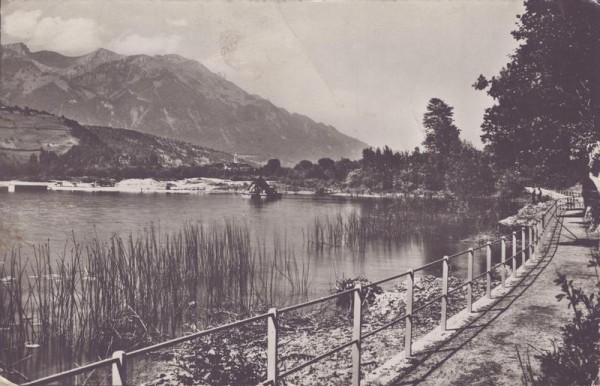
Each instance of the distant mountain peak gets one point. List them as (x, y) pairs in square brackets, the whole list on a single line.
[(99, 56), (104, 52)]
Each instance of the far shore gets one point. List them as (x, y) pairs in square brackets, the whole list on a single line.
[(206, 185), (197, 185)]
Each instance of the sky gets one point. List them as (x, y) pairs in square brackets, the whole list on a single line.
[(366, 67)]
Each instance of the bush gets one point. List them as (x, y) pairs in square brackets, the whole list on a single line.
[(366, 294)]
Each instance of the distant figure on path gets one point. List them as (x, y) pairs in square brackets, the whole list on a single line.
[(539, 194), (533, 194)]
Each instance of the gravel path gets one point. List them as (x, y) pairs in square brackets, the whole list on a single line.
[(527, 318)]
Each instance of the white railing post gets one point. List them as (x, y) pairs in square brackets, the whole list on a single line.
[(523, 249), (503, 272), (536, 239), (470, 257), (356, 336), (272, 337), (119, 369), (514, 254), (444, 293), (410, 287), (540, 236), (488, 268), (544, 221), (531, 250)]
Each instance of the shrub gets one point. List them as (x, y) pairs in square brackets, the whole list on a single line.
[(367, 295)]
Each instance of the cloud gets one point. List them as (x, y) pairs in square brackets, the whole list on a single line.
[(135, 44), (76, 35), (178, 22), (70, 36), (21, 24)]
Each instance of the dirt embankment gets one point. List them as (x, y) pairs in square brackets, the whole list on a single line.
[(239, 356)]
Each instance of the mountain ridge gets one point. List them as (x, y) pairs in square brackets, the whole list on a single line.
[(169, 96), (27, 132)]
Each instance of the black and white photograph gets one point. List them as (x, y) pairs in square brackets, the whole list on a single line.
[(328, 192)]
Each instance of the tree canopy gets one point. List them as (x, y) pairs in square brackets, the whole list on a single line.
[(544, 116), (442, 136)]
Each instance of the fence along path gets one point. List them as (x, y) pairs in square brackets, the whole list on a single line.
[(530, 238)]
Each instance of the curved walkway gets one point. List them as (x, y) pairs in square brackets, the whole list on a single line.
[(525, 319)]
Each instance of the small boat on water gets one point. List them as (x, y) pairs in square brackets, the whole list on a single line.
[(260, 190)]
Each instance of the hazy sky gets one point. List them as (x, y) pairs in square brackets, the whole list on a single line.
[(368, 68)]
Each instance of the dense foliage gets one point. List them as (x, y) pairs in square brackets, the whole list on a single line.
[(545, 114), (447, 164)]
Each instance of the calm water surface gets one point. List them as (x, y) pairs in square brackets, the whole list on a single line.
[(34, 218)]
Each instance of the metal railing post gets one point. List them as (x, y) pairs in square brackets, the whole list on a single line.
[(514, 253), (523, 243), (444, 293), (119, 369), (541, 236), (470, 280), (537, 239), (488, 268), (531, 249), (272, 337), (410, 287), (356, 336), (544, 221), (503, 254)]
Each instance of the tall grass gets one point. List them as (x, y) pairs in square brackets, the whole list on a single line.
[(398, 221), (124, 291)]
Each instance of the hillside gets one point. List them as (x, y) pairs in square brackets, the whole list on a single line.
[(165, 95), (22, 135), (25, 132)]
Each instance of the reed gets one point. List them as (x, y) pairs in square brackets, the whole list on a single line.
[(399, 221), (121, 292)]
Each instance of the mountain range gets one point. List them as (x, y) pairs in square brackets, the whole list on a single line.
[(165, 95)]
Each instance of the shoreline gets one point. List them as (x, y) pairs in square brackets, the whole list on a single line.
[(198, 185)]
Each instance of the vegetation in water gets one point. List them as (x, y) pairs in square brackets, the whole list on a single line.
[(129, 291), (397, 221)]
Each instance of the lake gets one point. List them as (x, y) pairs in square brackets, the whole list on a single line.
[(31, 218), (436, 228)]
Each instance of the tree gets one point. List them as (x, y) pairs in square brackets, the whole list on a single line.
[(304, 165), (470, 173), (343, 167), (33, 166), (326, 163), (272, 167), (442, 136), (545, 116), (442, 143)]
